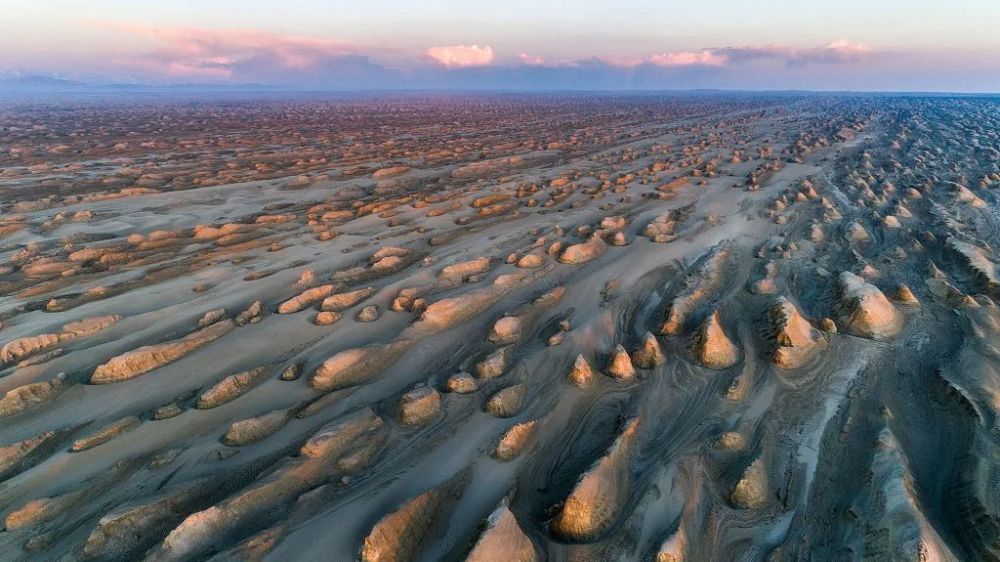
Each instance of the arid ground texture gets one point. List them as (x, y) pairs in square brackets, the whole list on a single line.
[(493, 327)]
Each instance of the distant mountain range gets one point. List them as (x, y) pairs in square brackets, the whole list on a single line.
[(37, 82)]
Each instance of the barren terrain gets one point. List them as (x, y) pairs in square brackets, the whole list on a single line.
[(501, 328)]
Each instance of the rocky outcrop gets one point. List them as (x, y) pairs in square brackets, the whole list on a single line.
[(107, 433), (515, 440), (257, 428), (26, 396), (355, 366), (753, 490), (231, 388), (337, 449), (145, 359), (711, 346), (342, 301), (419, 407), (21, 455), (251, 315), (128, 531), (494, 364), (584, 251), (581, 374), (648, 355), (600, 494), (620, 364), (863, 309), (503, 539), (794, 338), (698, 286), (505, 330), (22, 348), (507, 402), (305, 299), (399, 536)]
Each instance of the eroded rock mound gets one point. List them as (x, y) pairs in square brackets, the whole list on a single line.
[(599, 497), (864, 310), (26, 396), (22, 348), (712, 347), (794, 337), (145, 359), (503, 539), (398, 536), (584, 251), (355, 366), (649, 355)]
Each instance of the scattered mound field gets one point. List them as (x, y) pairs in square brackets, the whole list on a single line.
[(501, 328)]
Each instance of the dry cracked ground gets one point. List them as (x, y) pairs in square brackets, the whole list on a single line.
[(501, 328)]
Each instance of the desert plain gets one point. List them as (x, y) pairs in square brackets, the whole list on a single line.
[(493, 327)]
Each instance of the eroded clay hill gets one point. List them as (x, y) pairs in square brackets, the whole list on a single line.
[(501, 328)]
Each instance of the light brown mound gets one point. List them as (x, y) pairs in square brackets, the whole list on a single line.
[(649, 354), (326, 318), (355, 366), (419, 407), (507, 402), (126, 531), (15, 457), (23, 397), (600, 495), (390, 171), (464, 270), (506, 330), (864, 310), (503, 540), (107, 433), (145, 359), (494, 364), (305, 299), (21, 348), (620, 365), (368, 313), (794, 337), (711, 347), (343, 301), (905, 296), (43, 510), (336, 450), (584, 251), (211, 317), (753, 490), (251, 315), (531, 261), (581, 374), (699, 285), (449, 312), (398, 536), (515, 440), (462, 383), (252, 430), (231, 388)]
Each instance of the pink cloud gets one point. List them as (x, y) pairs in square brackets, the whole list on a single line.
[(462, 55), (187, 51), (841, 51), (531, 60), (705, 57)]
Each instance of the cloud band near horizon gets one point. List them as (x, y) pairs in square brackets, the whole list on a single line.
[(177, 53)]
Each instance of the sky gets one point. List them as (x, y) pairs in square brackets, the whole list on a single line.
[(887, 45)]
